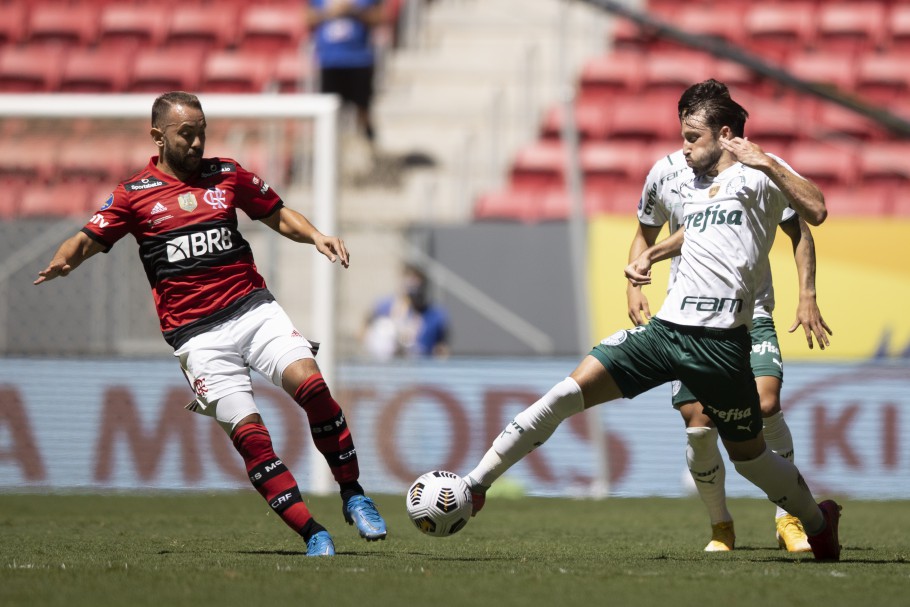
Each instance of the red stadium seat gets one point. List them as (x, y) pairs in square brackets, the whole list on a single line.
[(62, 199), (674, 72), (128, 27), (293, 71), (539, 166), (857, 201), (202, 28), (825, 69), (885, 163), (851, 28), (826, 165), (94, 71), (158, 70), (62, 25), (271, 28), (835, 120), (898, 37), (883, 78), (772, 125), (29, 69), (12, 22), (234, 72), (608, 164), (776, 30), (605, 76), (723, 21), (91, 159), (646, 118), (591, 120), (508, 204)]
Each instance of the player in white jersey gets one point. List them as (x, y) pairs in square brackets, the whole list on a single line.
[(661, 203), (700, 336)]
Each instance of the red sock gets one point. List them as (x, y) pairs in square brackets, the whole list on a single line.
[(329, 428), (270, 476)]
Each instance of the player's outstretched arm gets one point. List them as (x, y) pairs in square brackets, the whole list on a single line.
[(639, 270), (639, 309), (807, 313), (804, 196), (294, 226), (72, 252)]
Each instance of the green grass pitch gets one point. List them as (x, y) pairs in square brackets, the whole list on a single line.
[(226, 549)]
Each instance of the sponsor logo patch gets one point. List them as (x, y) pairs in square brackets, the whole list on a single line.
[(143, 184), (107, 203), (158, 208)]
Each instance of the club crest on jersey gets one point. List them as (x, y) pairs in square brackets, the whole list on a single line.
[(215, 198), (736, 184), (713, 191), (187, 202)]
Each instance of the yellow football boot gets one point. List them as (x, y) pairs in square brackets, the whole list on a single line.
[(790, 535), (722, 537)]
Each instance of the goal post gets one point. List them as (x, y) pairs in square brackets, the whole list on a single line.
[(321, 109)]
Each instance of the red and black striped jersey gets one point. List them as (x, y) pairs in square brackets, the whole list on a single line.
[(200, 268)]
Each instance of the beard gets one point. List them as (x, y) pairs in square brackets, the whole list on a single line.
[(184, 163), (708, 163)]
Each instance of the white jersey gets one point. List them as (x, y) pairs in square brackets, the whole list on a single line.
[(662, 203), (731, 221)]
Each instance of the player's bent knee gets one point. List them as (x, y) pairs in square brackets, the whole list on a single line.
[(235, 410)]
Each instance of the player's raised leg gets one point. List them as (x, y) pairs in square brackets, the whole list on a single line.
[(333, 440), (588, 385)]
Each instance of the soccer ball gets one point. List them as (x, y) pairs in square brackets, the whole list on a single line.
[(439, 503)]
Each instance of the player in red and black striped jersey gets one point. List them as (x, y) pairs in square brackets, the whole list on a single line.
[(215, 309)]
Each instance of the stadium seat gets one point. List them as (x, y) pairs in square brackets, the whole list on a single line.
[(29, 69), (10, 193), (12, 22), (647, 118), (235, 72), (508, 204), (591, 119), (673, 72), (293, 71), (94, 71), (825, 69), (32, 160), (857, 201), (773, 125), (58, 200), (202, 28), (271, 28), (128, 27), (776, 30), (607, 164), (538, 166), (851, 28), (898, 34), (885, 163), (826, 165), (157, 70), (721, 21), (835, 120), (606, 76), (91, 159), (62, 25), (883, 79)]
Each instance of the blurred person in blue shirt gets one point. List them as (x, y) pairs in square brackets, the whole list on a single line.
[(408, 324), (345, 52)]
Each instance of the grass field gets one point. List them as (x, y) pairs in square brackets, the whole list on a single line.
[(226, 549)]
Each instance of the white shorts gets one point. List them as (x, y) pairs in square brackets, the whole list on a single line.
[(218, 362)]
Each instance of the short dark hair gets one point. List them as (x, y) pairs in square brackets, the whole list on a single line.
[(697, 93), (165, 102), (719, 112)]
